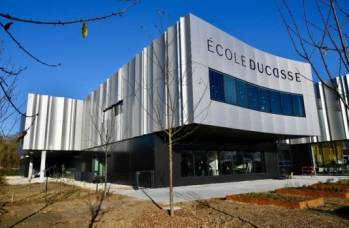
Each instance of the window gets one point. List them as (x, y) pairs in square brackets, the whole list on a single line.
[(252, 93), (286, 104), (201, 164), (187, 164), (275, 102), (227, 89), (298, 105), (117, 110), (226, 160), (216, 86), (215, 163), (264, 100), (242, 93)]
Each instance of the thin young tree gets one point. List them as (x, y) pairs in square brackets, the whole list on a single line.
[(163, 107)]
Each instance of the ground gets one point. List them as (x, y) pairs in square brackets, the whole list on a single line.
[(68, 206)]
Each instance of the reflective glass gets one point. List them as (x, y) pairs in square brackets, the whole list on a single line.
[(286, 104), (229, 90), (264, 100), (275, 104), (298, 106), (216, 86), (242, 93), (252, 93)]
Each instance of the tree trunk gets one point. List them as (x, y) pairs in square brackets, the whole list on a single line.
[(105, 172), (170, 181)]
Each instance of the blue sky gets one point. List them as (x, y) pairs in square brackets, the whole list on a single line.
[(111, 43)]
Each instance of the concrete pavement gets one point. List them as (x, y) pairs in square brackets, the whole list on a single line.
[(195, 192)]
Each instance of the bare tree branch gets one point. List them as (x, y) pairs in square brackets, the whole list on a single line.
[(13, 73), (70, 22), (21, 47)]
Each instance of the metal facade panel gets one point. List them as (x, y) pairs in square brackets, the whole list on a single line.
[(215, 49), (138, 89), (58, 126)]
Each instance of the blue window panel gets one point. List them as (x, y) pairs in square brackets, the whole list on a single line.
[(275, 104), (252, 95), (216, 86), (287, 104), (242, 93), (225, 88), (298, 105), (264, 100), (230, 90)]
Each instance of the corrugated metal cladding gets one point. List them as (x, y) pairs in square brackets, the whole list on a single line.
[(133, 102), (332, 112), (58, 126), (137, 88)]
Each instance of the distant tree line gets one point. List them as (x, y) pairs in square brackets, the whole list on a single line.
[(9, 157)]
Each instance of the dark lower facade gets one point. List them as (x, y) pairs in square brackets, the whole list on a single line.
[(322, 158), (201, 158)]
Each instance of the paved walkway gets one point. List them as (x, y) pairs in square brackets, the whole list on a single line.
[(197, 192)]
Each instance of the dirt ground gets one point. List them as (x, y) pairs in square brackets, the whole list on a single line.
[(68, 206)]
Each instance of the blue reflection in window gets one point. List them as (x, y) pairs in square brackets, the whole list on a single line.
[(275, 104), (227, 89), (252, 93), (286, 104), (230, 90), (264, 100), (216, 86), (298, 105), (242, 93)]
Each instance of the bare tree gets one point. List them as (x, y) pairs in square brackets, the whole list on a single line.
[(164, 109), (9, 112), (320, 38), (11, 20), (9, 74), (100, 120)]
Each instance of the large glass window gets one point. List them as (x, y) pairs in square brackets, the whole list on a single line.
[(227, 89), (331, 157), (201, 164), (212, 159), (275, 102), (216, 86), (242, 93), (230, 90), (187, 164), (264, 100), (226, 160), (252, 93), (214, 163), (286, 104), (298, 106)]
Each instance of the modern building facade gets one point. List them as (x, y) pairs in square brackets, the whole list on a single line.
[(329, 150), (228, 103)]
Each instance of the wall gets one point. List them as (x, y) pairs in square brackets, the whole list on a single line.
[(213, 48), (58, 125), (166, 85)]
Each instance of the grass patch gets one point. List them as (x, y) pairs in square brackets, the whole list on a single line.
[(9, 172)]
